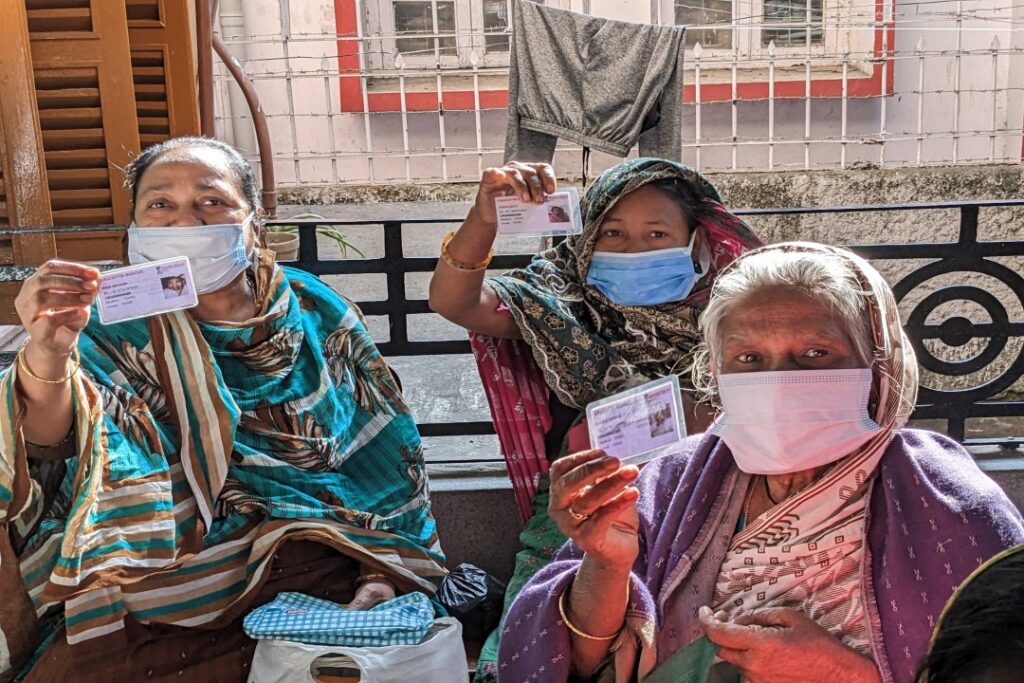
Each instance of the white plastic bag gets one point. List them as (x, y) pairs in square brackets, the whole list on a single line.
[(440, 658)]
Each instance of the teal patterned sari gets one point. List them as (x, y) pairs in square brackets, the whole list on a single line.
[(202, 448)]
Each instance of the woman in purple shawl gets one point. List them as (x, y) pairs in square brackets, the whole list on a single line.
[(808, 536)]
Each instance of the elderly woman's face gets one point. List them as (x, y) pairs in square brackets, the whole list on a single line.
[(187, 187), (781, 329), (646, 219)]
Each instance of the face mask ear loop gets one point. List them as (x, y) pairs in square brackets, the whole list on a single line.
[(705, 255)]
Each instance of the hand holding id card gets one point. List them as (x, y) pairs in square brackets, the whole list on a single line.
[(640, 424), (146, 289), (558, 215)]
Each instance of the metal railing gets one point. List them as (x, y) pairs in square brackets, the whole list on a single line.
[(965, 255)]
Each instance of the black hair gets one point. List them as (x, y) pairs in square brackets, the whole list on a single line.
[(981, 637), (241, 168), (685, 195)]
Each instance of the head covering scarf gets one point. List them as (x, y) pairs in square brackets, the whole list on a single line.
[(202, 447), (806, 552), (588, 347)]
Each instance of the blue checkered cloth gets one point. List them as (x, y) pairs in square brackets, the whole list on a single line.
[(297, 617)]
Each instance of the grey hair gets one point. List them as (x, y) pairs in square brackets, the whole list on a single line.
[(828, 278)]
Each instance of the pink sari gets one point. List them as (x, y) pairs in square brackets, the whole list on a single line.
[(518, 398)]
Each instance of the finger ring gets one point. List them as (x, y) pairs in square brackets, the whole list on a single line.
[(577, 516)]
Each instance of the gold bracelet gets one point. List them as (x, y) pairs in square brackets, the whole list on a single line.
[(373, 576), (581, 634), (459, 265), (23, 367)]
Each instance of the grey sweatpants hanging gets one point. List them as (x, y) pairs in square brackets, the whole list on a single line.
[(601, 83)]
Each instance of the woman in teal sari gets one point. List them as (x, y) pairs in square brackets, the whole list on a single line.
[(161, 477)]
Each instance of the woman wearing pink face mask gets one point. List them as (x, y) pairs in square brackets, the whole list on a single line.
[(808, 536)]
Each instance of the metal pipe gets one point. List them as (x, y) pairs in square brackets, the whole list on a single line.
[(204, 64), (259, 122)]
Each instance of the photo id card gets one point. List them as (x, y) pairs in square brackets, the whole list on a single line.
[(145, 290), (558, 215), (640, 424)]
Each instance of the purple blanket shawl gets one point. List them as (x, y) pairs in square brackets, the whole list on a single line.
[(933, 518)]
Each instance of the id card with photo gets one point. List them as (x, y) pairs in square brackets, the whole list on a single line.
[(558, 215), (640, 424), (146, 289)]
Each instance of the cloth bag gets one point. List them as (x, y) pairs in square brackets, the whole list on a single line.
[(404, 620), (439, 658)]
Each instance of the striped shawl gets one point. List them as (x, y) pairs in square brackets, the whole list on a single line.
[(201, 448)]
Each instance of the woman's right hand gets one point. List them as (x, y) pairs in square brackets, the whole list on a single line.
[(593, 503), (53, 306), (530, 182)]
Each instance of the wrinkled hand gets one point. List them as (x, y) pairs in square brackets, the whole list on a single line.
[(53, 306), (780, 645), (371, 594), (597, 489), (530, 182)]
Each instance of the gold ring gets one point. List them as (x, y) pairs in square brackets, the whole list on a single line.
[(577, 516)]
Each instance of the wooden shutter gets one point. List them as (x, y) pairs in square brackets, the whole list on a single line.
[(67, 70), (163, 69), (83, 77), (24, 196)]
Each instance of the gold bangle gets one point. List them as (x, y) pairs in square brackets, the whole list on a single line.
[(373, 576), (581, 634), (459, 265), (23, 367)]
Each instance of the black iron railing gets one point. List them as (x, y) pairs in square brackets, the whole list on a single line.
[(1003, 335), (965, 255)]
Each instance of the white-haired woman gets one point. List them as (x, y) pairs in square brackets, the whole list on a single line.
[(807, 537)]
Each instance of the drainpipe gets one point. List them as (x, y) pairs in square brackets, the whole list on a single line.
[(259, 122)]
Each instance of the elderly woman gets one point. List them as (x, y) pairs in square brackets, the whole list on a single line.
[(161, 477), (605, 310), (807, 537)]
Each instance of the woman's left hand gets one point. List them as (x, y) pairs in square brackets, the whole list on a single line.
[(371, 594), (780, 645)]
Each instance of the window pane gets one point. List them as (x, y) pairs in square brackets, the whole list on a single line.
[(418, 17), (778, 12), (703, 13), (495, 21)]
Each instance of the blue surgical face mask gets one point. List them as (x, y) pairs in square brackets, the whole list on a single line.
[(217, 253), (645, 279)]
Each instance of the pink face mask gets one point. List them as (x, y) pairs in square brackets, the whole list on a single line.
[(790, 421)]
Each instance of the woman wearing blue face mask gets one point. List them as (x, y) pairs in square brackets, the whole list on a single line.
[(809, 536), (604, 311), (612, 306), (162, 477)]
